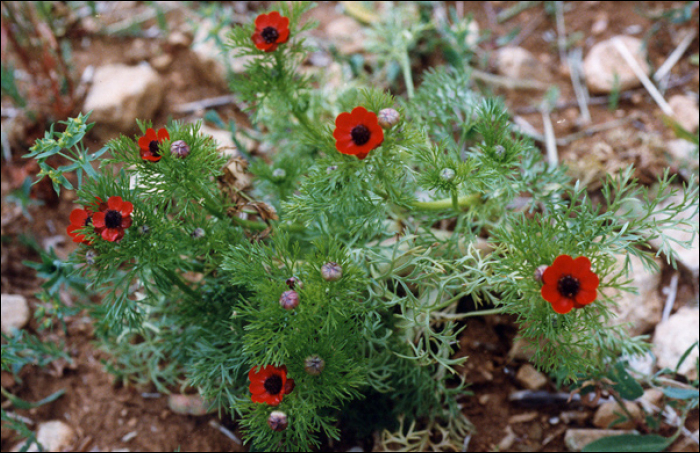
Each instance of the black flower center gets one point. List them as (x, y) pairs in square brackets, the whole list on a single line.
[(153, 148), (113, 219), (88, 220), (270, 34), (568, 286), (273, 384), (360, 134)]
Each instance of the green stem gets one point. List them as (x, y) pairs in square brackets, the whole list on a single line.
[(455, 200), (179, 282), (303, 120), (407, 75), (463, 202), (492, 311)]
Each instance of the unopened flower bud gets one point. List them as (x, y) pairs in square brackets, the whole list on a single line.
[(388, 118), (331, 272), (289, 300), (294, 281), (90, 256), (144, 230), (539, 272), (331, 169), (277, 421), (179, 149), (447, 174), (198, 233), (499, 150), (279, 173), (314, 364)]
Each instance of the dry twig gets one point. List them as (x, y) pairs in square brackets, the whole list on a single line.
[(676, 55), (639, 72)]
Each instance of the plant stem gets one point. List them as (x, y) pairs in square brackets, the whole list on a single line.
[(491, 311), (463, 202), (180, 283), (407, 75), (455, 200)]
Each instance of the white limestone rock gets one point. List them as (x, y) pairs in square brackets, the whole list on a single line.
[(120, 94), (688, 257), (643, 310), (673, 337), (519, 63), (604, 61), (214, 61), (685, 111), (15, 313), (576, 439), (53, 436), (610, 412), (530, 378)]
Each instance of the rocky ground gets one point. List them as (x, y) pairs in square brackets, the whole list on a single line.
[(176, 72)]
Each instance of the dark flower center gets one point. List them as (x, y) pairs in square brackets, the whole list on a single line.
[(270, 34), (88, 220), (360, 134), (273, 384), (113, 219), (153, 148), (568, 286)]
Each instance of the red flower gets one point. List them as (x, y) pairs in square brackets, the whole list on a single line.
[(149, 144), (357, 133), (569, 283), (269, 384), (113, 219), (81, 218), (270, 31)]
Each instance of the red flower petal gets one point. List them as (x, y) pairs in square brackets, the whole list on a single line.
[(127, 208), (143, 144), (564, 263), (112, 234), (551, 276), (288, 386), (262, 20), (274, 400), (126, 221), (586, 296), (78, 217), (550, 293), (580, 266), (589, 281), (342, 124), (115, 203), (284, 34), (163, 135), (77, 237), (262, 398), (147, 155), (98, 219), (256, 386), (563, 305)]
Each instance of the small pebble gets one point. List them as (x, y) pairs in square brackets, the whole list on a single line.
[(127, 437)]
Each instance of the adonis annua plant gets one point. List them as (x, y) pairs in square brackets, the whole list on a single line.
[(328, 293)]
